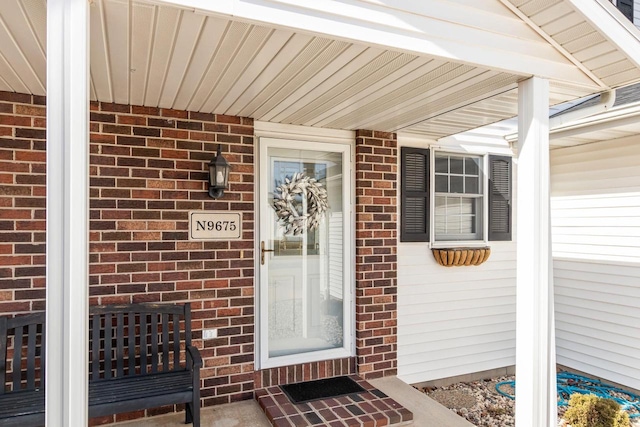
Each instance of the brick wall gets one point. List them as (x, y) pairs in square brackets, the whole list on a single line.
[(148, 169), (22, 202), (376, 245)]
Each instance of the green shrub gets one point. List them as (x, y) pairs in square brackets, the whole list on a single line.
[(589, 410)]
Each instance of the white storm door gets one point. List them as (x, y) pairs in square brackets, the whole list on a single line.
[(305, 246)]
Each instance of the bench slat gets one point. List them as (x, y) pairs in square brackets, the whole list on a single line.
[(143, 343), (110, 408), (187, 324), (114, 390), (132, 343), (176, 341), (95, 348), (3, 353), (108, 341), (165, 342), (35, 419), (147, 308), (17, 354), (21, 403), (120, 344), (154, 342), (31, 356), (43, 353)]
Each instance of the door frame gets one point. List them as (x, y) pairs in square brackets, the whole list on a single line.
[(281, 136)]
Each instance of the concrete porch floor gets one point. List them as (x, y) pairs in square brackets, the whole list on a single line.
[(426, 412)]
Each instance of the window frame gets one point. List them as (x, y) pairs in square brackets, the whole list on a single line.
[(484, 179), (498, 197)]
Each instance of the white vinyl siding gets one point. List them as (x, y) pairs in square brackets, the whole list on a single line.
[(596, 247), (454, 320), (595, 201), (598, 319)]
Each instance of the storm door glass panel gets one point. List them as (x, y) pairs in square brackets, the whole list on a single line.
[(302, 249)]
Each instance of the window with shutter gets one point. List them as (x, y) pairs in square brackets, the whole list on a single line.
[(414, 204), (500, 198), (460, 200)]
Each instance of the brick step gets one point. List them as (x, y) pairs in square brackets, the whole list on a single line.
[(371, 408)]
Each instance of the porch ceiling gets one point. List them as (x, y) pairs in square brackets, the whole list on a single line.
[(146, 53)]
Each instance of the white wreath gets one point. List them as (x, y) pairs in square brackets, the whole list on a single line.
[(291, 213)]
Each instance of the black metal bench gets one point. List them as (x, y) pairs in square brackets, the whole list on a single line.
[(135, 363)]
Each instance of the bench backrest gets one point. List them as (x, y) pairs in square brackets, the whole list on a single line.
[(22, 352), (136, 339)]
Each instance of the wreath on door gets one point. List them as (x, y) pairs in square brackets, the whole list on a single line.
[(290, 198)]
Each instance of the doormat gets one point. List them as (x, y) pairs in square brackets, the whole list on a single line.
[(320, 389)]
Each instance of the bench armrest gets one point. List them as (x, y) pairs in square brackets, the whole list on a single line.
[(193, 357)]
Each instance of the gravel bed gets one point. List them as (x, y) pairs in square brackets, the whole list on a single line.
[(481, 404)]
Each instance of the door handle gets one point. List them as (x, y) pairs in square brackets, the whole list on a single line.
[(262, 251)]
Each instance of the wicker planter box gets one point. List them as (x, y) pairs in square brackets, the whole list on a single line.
[(455, 257)]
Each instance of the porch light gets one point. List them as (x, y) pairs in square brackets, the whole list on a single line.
[(218, 175)]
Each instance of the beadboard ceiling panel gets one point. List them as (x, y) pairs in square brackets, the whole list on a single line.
[(145, 52), (450, 91), (22, 50), (144, 21), (504, 104), (101, 81)]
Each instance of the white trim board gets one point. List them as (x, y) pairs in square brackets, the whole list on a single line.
[(295, 132)]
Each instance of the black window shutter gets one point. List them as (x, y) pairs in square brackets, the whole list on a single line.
[(500, 198), (626, 7), (414, 187)]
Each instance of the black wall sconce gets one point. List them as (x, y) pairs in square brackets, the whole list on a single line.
[(218, 175)]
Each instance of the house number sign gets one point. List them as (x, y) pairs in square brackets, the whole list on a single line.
[(211, 225)]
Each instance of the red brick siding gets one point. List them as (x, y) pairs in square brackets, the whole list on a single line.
[(376, 248), (148, 169), (22, 202)]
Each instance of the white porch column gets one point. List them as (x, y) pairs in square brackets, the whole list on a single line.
[(67, 212), (535, 336)]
